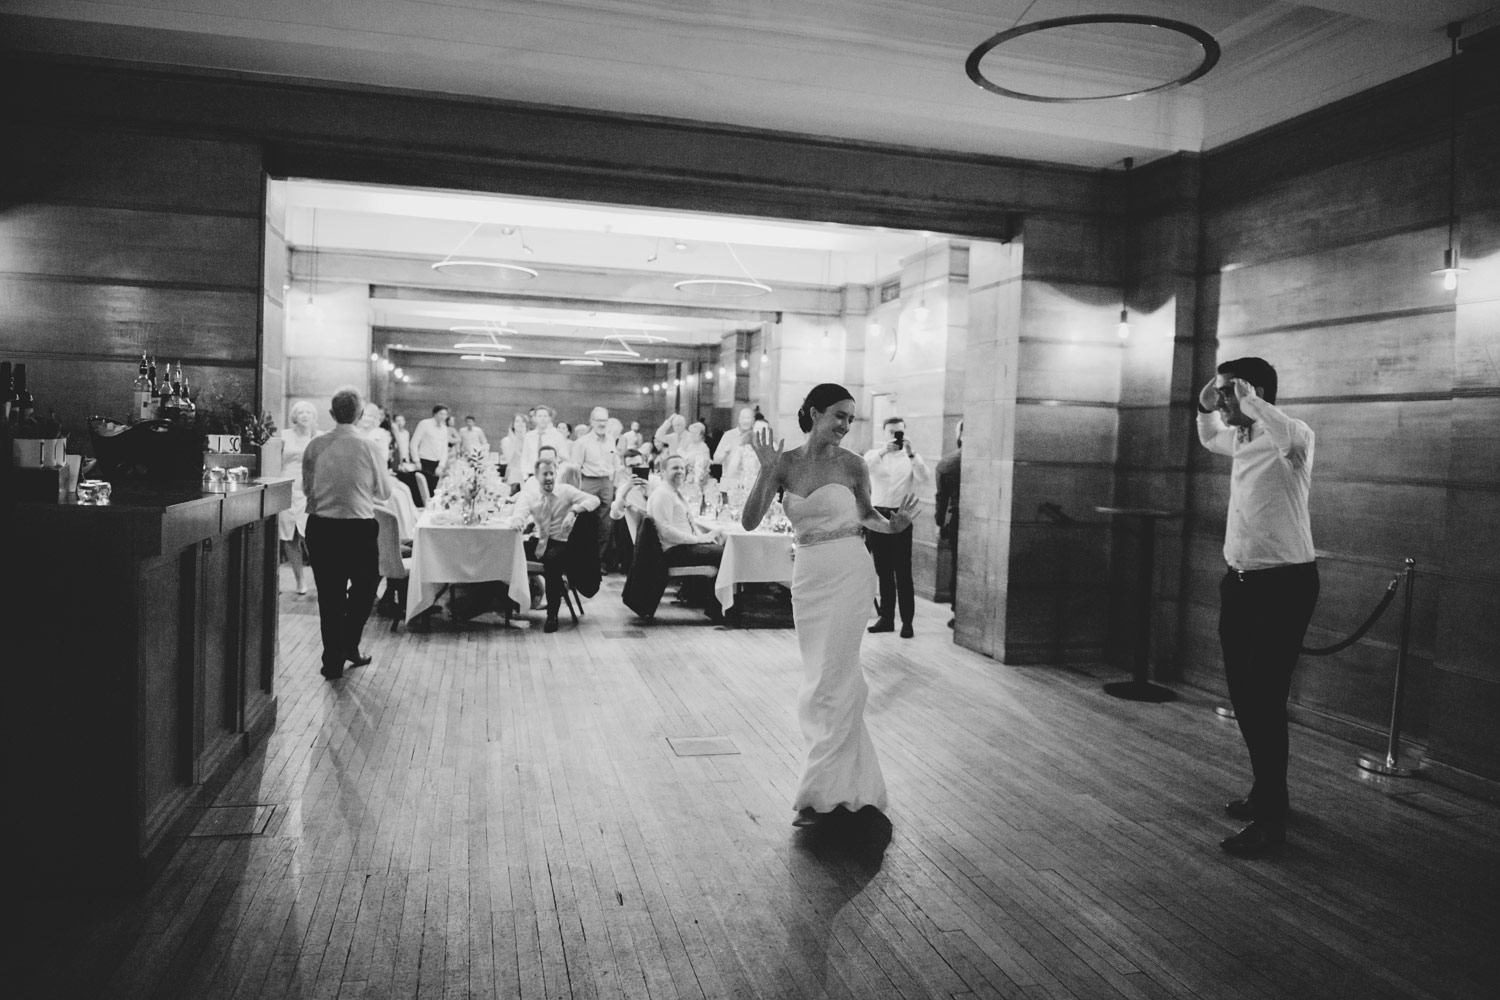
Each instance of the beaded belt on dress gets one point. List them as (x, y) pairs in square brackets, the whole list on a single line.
[(833, 534)]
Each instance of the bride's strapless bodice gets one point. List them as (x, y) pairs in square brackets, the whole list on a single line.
[(829, 512)]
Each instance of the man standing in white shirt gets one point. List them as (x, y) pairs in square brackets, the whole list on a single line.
[(895, 471), (543, 434), (471, 438), (1267, 596), (554, 508), (736, 456), (343, 477), (429, 444), (683, 541), (597, 462)]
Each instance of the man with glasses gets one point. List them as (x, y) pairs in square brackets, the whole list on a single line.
[(1267, 595)]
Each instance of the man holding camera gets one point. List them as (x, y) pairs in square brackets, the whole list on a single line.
[(895, 471)]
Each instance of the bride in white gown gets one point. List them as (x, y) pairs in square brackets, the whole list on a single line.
[(826, 495)]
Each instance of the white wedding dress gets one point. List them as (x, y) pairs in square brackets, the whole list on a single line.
[(833, 587)]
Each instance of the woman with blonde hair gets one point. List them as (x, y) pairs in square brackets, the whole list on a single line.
[(291, 524)]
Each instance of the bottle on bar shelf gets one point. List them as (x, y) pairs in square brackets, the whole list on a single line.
[(166, 407), (20, 410), (185, 396), (7, 393), (155, 385), (144, 404)]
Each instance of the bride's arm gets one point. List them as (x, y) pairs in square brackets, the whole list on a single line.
[(870, 518)]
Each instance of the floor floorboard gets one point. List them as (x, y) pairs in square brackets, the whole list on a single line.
[(494, 812)]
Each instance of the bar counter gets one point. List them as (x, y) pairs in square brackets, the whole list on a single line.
[(141, 652)]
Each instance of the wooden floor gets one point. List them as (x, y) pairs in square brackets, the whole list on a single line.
[(500, 813)]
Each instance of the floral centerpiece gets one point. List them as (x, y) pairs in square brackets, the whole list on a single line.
[(470, 489)]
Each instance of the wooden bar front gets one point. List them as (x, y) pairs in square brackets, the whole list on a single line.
[(141, 659)]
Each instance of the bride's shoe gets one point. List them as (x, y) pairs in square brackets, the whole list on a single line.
[(807, 816)]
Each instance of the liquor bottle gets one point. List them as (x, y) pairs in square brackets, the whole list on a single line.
[(151, 372), (7, 394), (185, 397), (143, 401), (165, 410), (20, 410)]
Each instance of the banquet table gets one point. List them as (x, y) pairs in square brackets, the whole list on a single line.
[(458, 553), (750, 557)]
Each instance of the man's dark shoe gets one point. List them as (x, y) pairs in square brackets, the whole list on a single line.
[(906, 631), (359, 661), (882, 626), (332, 671), (550, 625), (1257, 840), (951, 621), (1240, 809)]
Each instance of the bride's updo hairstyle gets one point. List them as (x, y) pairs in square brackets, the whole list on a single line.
[(821, 398)]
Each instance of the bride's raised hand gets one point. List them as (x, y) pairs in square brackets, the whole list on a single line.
[(767, 453), (908, 510)]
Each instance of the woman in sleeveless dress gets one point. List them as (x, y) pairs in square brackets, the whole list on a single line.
[(292, 523), (826, 495)]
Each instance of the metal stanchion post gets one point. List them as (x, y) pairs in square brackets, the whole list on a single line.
[(1389, 765)]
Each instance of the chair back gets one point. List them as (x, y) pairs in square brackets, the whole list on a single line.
[(633, 520), (423, 490), (388, 543)]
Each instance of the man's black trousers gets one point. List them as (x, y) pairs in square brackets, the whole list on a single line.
[(893, 567), (1263, 616), (346, 568)]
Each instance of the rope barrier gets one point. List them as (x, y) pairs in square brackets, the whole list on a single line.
[(1359, 633)]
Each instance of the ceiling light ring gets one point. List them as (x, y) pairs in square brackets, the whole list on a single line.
[(1211, 53), (527, 273), (716, 287)]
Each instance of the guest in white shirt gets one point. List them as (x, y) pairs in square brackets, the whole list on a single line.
[(403, 443), (1267, 596), (630, 439), (691, 447), (684, 542), (554, 509), (343, 478), (597, 462), (511, 447), (429, 444), (471, 438), (736, 455), (895, 471), (669, 434), (533, 486), (542, 434)]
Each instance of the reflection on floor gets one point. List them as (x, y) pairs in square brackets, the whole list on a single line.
[(495, 812)]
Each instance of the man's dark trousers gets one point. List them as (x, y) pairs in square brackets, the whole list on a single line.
[(1263, 617), (554, 562), (893, 566), (429, 472), (346, 569)]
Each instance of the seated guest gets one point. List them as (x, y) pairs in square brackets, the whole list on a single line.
[(553, 510), (683, 541), (532, 486)]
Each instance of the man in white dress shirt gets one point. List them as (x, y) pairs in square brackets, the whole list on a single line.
[(471, 438), (895, 471), (598, 462), (554, 508), (736, 455), (684, 542), (543, 433), (344, 476), (429, 444), (1268, 593)]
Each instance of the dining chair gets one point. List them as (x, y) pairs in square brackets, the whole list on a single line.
[(395, 567)]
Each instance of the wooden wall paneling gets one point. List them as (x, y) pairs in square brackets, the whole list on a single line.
[(78, 387), (162, 728), (1355, 685), (1064, 433), (45, 316), (1154, 437), (1463, 733), (88, 165), (1391, 355), (1385, 522), (1081, 247), (130, 245), (1333, 207), (1390, 441), (1387, 274)]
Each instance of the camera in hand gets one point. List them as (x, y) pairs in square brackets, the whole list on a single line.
[(900, 437)]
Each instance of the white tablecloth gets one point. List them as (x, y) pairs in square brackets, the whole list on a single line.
[(456, 553), (751, 557)]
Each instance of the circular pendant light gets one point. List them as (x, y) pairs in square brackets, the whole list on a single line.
[(514, 272), (1210, 58), (481, 357), (723, 288), (582, 362)]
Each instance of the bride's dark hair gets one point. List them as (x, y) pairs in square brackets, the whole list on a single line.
[(821, 398)]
